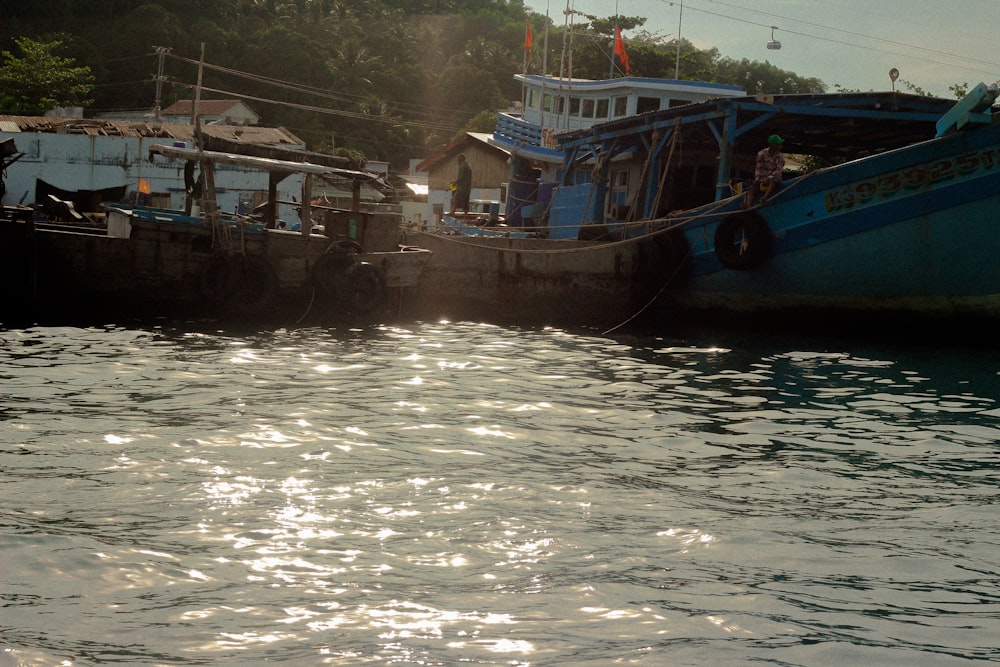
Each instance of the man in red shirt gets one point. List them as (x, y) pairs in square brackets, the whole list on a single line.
[(767, 173)]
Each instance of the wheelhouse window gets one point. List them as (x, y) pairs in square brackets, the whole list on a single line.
[(644, 104), (588, 108), (602, 108), (620, 105), (574, 106)]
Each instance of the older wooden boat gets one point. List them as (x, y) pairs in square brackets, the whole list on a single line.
[(342, 265)]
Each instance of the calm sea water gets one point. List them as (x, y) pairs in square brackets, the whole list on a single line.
[(455, 493)]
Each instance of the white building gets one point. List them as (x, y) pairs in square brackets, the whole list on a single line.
[(221, 112), (87, 156)]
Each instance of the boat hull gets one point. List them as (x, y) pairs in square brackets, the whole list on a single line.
[(168, 265), (531, 281), (906, 234), (912, 232)]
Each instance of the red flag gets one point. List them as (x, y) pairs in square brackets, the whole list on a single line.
[(620, 49), (529, 40)]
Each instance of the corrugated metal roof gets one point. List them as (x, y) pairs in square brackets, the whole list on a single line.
[(252, 134)]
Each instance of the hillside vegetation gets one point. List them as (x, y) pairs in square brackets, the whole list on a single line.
[(387, 79)]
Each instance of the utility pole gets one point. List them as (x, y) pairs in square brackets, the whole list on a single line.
[(161, 53)]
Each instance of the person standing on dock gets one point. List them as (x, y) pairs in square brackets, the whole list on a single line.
[(462, 186), (767, 172)]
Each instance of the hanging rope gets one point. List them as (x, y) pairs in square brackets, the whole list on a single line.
[(652, 300), (630, 216), (666, 167)]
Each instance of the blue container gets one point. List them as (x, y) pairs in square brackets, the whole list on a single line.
[(523, 195)]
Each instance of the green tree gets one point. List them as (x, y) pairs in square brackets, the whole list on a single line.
[(386, 77), (467, 90), (483, 122), (957, 89), (41, 80), (127, 65), (763, 77)]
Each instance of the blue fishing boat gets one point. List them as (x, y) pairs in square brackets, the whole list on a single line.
[(891, 215), (554, 106), (896, 230)]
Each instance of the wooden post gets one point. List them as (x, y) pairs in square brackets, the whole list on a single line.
[(208, 205), (305, 213), (271, 210)]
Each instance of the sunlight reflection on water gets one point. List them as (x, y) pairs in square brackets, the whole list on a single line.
[(462, 493)]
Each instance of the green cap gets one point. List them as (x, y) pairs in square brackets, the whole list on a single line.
[(775, 139)]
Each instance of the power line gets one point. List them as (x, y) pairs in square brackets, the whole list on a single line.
[(401, 107), (904, 45), (852, 33), (336, 112)]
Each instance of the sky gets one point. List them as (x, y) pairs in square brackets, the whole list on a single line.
[(851, 43)]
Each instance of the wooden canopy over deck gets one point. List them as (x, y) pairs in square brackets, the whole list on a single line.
[(277, 171), (834, 127)]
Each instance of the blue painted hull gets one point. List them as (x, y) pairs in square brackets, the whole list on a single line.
[(912, 231)]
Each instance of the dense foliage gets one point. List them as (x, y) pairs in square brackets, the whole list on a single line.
[(38, 79), (390, 79)]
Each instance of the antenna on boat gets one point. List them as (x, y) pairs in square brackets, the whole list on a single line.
[(774, 44), (893, 75)]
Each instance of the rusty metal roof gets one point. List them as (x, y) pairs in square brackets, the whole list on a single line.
[(98, 127)]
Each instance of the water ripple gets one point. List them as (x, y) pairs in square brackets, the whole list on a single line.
[(458, 493)]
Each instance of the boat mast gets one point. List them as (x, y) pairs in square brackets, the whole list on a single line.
[(545, 66), (677, 58), (569, 81), (567, 38), (612, 48), (195, 119), (208, 204)]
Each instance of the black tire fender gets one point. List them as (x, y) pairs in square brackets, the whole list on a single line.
[(742, 241), (256, 286), (362, 289), (218, 278), (328, 270), (348, 245)]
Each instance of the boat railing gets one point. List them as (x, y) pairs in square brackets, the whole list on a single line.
[(974, 107), (517, 130), (164, 216)]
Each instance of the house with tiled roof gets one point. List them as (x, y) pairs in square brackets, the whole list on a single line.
[(219, 112)]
